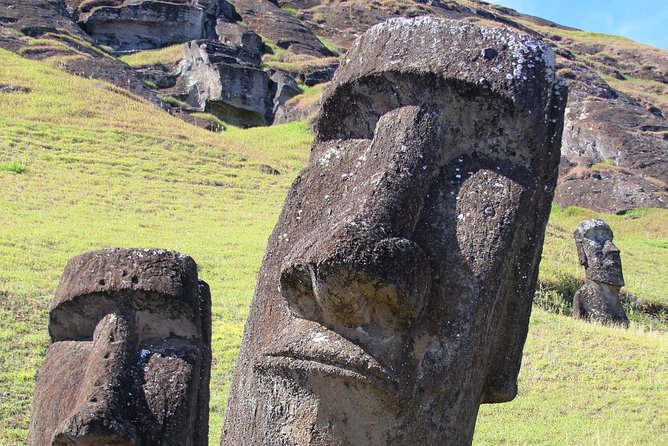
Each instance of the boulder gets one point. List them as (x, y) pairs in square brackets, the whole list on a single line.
[(239, 36), (395, 293), (130, 354), (319, 75), (227, 81), (286, 89), (598, 299)]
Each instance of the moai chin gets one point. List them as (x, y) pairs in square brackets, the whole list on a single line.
[(395, 292), (130, 355), (598, 299)]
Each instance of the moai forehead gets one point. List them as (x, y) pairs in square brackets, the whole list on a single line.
[(143, 281)]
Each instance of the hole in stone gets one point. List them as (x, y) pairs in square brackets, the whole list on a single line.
[(102, 282), (125, 273), (106, 355), (134, 279), (93, 399)]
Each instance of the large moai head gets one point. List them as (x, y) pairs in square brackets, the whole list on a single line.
[(596, 252), (130, 358), (395, 292)]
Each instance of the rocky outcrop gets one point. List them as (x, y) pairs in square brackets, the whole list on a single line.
[(126, 25), (607, 188), (606, 128), (227, 81), (395, 292), (286, 89), (130, 354), (268, 20)]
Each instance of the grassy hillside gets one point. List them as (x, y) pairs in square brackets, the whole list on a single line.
[(85, 165)]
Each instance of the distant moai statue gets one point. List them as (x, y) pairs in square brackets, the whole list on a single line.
[(130, 355), (396, 288), (598, 299)]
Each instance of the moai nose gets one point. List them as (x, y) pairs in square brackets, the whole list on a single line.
[(104, 399), (609, 247), (385, 286)]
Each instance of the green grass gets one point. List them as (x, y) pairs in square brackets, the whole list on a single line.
[(168, 55), (105, 168), (284, 60), (309, 97), (216, 122), (585, 385), (291, 12), (12, 167)]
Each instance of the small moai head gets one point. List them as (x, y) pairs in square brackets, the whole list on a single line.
[(396, 289), (598, 254), (130, 354)]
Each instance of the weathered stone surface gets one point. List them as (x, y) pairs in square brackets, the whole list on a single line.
[(227, 81), (135, 25), (319, 75), (598, 299), (396, 288), (607, 188), (239, 36), (130, 355), (602, 125), (267, 19), (286, 89)]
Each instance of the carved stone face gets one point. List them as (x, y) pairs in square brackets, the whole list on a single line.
[(395, 293), (129, 359), (598, 254)]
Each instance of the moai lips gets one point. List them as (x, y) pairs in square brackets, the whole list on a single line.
[(598, 299), (395, 292), (130, 357)]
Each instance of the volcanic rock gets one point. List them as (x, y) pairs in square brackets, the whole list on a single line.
[(227, 81), (395, 292), (130, 354), (598, 299), (268, 20)]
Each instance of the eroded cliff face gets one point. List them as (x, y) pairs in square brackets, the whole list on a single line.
[(129, 25)]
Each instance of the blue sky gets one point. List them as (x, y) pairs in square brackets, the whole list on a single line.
[(644, 21)]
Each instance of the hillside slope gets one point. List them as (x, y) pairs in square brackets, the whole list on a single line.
[(245, 61), (85, 165)]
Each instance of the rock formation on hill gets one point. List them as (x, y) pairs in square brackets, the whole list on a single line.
[(395, 292), (615, 141)]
